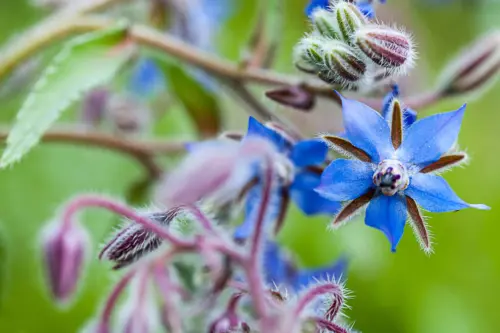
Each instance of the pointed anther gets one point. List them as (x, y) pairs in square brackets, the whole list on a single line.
[(445, 162), (345, 147), (352, 207), (396, 124), (418, 224)]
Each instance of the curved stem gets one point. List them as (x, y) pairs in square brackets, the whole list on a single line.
[(103, 325), (313, 293), (253, 269), (414, 102), (50, 32), (328, 325), (143, 151), (87, 201)]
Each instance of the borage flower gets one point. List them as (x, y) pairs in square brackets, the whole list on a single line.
[(393, 170), (300, 175)]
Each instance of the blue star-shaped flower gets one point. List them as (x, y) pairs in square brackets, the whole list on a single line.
[(394, 168), (280, 271), (306, 157)]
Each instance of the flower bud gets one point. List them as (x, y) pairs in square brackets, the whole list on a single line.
[(343, 65), (308, 54), (348, 19), (386, 47), (324, 23), (127, 114), (229, 322), (473, 68), (293, 96), (94, 106), (133, 241), (64, 248)]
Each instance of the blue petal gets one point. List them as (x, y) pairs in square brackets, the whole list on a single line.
[(409, 117), (388, 214), (314, 4), (308, 276), (346, 180), (434, 194), (309, 152), (367, 129), (244, 230), (367, 9), (431, 137), (147, 78), (307, 199), (276, 269), (258, 129)]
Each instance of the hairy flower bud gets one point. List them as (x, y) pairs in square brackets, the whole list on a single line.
[(474, 68), (133, 241), (308, 55), (386, 47), (344, 67), (324, 23), (348, 19), (127, 114), (293, 96), (64, 248)]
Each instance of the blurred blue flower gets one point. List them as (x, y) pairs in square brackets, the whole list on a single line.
[(305, 158), (280, 271), (394, 172), (365, 6), (410, 116)]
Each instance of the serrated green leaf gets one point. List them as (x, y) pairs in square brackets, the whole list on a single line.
[(83, 63)]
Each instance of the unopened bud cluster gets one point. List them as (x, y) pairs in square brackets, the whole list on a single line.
[(346, 49)]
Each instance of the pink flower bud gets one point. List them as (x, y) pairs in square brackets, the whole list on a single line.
[(94, 106), (229, 322), (218, 170), (385, 47), (132, 242), (64, 248), (473, 68), (293, 96)]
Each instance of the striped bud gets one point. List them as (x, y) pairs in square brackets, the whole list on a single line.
[(348, 19), (308, 55), (474, 68), (324, 23), (343, 65), (293, 96), (386, 47)]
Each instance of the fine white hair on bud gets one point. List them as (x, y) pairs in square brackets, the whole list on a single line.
[(348, 20), (386, 47), (324, 23), (308, 55), (343, 66)]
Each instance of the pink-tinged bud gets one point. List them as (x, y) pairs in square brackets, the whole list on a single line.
[(229, 322), (64, 248), (293, 96), (132, 242), (343, 66), (388, 48), (215, 170), (127, 114), (474, 68), (94, 106)]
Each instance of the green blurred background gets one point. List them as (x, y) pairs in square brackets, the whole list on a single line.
[(454, 290)]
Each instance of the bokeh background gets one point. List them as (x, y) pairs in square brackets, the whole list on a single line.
[(454, 290)]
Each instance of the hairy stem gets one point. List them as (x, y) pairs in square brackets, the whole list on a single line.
[(312, 294), (87, 201)]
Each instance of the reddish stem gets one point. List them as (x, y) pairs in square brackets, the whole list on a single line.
[(314, 293), (103, 326), (328, 325), (252, 268), (86, 201), (167, 288)]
